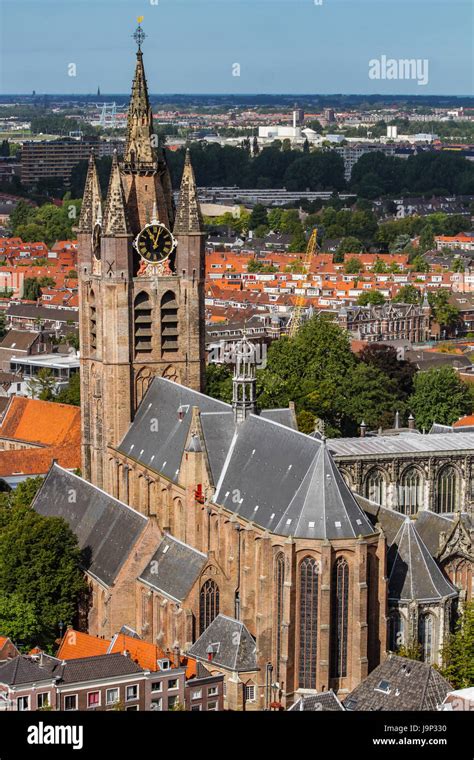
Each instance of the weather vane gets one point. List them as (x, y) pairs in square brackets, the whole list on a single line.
[(139, 35)]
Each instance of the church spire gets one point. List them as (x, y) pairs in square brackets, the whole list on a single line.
[(91, 203), (188, 215), (244, 382), (115, 221), (140, 148)]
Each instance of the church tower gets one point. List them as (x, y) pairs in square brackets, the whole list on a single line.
[(141, 283)]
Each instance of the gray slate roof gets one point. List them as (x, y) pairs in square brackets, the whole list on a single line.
[(325, 701), (99, 666), (174, 568), (429, 525), (25, 669), (234, 647), (323, 506), (405, 443), (106, 529), (411, 686), (257, 467), (413, 573)]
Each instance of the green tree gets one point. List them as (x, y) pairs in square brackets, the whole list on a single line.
[(298, 241), (352, 266), (380, 267), (40, 577), (25, 492), (369, 395), (439, 396), (349, 245), (71, 394), (445, 313), (458, 651), (31, 289), (372, 297), (219, 381), (41, 386), (419, 264), (3, 324), (46, 282), (20, 215), (427, 240), (258, 217), (385, 358), (458, 265), (408, 294)]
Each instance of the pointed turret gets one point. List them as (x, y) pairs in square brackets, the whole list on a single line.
[(323, 507), (414, 574), (91, 209), (115, 218), (188, 215), (140, 148)]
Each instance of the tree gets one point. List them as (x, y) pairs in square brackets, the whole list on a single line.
[(439, 396), (298, 241), (46, 282), (372, 297), (352, 266), (219, 382), (419, 264), (349, 245), (258, 217), (369, 395), (458, 265), (445, 313), (408, 294), (3, 324), (20, 215), (71, 394), (306, 146), (42, 385), (427, 240), (31, 289), (40, 577), (380, 266), (385, 358), (458, 651)]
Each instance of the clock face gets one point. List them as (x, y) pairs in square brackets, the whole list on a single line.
[(96, 233), (154, 243)]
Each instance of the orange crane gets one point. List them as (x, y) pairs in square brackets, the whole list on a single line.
[(295, 320)]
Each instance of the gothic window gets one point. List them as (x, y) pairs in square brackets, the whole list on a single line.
[(145, 609), (447, 490), (425, 637), (340, 618), (410, 492), (375, 489), (169, 322), (279, 584), (395, 631), (142, 323), (93, 321), (208, 604), (308, 633)]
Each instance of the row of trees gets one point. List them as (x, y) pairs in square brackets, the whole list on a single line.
[(318, 371)]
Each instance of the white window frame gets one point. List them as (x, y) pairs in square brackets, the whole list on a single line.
[(132, 686), (213, 691), (158, 702), (173, 680), (70, 696), (94, 691), (213, 709), (43, 694), (107, 701), (250, 690), (19, 699), (159, 690)]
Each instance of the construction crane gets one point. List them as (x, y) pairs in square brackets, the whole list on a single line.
[(296, 317)]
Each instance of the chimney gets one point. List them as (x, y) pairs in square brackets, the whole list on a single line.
[(363, 429), (411, 422), (397, 420)]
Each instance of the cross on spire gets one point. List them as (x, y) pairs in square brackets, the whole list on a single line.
[(139, 35)]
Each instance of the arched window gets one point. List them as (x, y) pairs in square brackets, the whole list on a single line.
[(92, 321), (340, 618), (308, 632), (425, 637), (208, 604), (447, 490), (410, 492), (142, 323), (395, 631), (169, 322), (279, 587), (375, 488)]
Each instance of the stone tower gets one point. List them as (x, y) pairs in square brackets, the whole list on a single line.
[(136, 321)]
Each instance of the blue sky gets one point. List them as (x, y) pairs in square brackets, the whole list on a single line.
[(282, 46)]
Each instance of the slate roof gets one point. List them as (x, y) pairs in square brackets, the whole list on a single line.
[(323, 506), (25, 669), (174, 568), (257, 467), (98, 666), (405, 443), (19, 340), (233, 646), (30, 310), (325, 701), (429, 525), (411, 685), (413, 573), (106, 529)]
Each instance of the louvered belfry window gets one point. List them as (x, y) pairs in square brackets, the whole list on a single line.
[(208, 604), (340, 618), (143, 323), (308, 628), (169, 322)]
